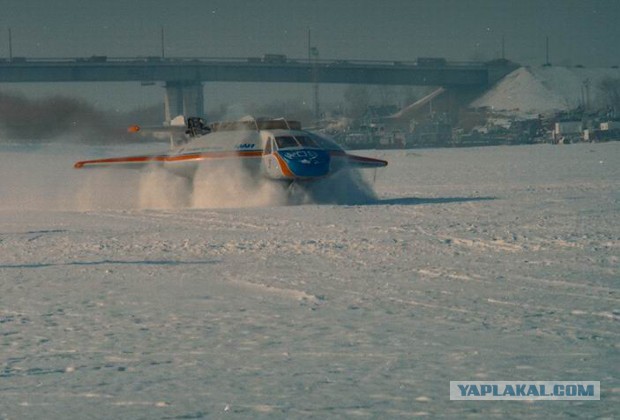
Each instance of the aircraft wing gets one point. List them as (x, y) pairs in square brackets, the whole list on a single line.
[(137, 162), (364, 162), (129, 162)]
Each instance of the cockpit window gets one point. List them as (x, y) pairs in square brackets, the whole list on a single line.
[(324, 143), (306, 141), (286, 141), (295, 141)]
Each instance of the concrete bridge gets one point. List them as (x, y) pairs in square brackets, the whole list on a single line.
[(183, 77)]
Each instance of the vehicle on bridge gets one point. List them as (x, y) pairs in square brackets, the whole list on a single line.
[(431, 61), (274, 149), (274, 58)]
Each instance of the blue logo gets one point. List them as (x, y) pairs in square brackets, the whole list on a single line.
[(307, 163), (303, 156)]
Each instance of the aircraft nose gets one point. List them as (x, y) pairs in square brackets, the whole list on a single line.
[(307, 163)]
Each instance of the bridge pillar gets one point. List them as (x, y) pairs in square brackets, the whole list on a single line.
[(184, 98)]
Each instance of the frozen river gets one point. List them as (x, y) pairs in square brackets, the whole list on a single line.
[(498, 263)]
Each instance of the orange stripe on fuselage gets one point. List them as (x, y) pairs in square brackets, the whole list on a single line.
[(214, 155), (283, 166)]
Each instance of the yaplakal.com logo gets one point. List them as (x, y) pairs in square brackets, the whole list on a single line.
[(525, 390)]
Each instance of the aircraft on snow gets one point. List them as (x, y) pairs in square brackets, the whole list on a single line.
[(276, 149)]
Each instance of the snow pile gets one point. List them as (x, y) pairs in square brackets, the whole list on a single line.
[(529, 91)]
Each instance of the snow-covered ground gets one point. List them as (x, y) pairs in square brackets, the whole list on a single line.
[(529, 91), (496, 263)]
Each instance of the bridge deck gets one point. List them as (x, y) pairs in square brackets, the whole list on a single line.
[(105, 69)]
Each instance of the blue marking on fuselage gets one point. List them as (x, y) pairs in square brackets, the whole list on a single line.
[(306, 163)]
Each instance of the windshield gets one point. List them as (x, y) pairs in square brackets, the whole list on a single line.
[(304, 140), (284, 142), (323, 142)]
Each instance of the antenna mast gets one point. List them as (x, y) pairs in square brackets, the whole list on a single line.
[(10, 46), (313, 56), (163, 55)]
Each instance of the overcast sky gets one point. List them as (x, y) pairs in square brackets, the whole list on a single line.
[(583, 32)]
